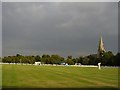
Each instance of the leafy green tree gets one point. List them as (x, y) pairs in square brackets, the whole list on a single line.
[(56, 59), (74, 60), (85, 61), (69, 57), (45, 58), (37, 58), (31, 59), (0, 59), (70, 60), (106, 58), (18, 55), (7, 59), (4, 60), (92, 60), (116, 59), (80, 59)]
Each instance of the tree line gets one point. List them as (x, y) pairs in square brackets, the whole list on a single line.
[(107, 59)]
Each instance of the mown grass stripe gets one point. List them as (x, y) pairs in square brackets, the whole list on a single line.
[(58, 76)]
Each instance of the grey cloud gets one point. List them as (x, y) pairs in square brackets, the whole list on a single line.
[(0, 29), (63, 28)]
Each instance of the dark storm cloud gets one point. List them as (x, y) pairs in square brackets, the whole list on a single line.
[(61, 28), (0, 29)]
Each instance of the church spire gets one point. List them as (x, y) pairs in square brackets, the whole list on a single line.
[(101, 48)]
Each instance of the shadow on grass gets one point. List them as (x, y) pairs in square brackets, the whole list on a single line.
[(98, 88)]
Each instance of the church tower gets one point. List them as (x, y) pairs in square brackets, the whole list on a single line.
[(101, 48)]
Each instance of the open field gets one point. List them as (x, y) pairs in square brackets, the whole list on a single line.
[(0, 76), (58, 77)]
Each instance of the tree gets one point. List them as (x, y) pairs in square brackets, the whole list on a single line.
[(85, 60), (74, 60), (45, 59), (116, 59), (7, 59), (17, 55), (31, 59), (106, 58), (45, 56), (56, 59), (16, 59), (80, 59), (69, 57), (37, 58), (0, 59), (92, 60), (69, 60)]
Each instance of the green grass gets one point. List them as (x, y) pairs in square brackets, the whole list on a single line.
[(58, 76), (0, 76)]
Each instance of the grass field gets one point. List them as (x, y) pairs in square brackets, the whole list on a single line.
[(0, 76), (58, 76)]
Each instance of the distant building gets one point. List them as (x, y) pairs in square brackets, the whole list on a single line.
[(101, 48), (37, 63)]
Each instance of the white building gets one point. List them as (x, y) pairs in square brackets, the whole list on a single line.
[(37, 63)]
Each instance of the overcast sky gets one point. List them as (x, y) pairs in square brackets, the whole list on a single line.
[(58, 28), (0, 29)]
